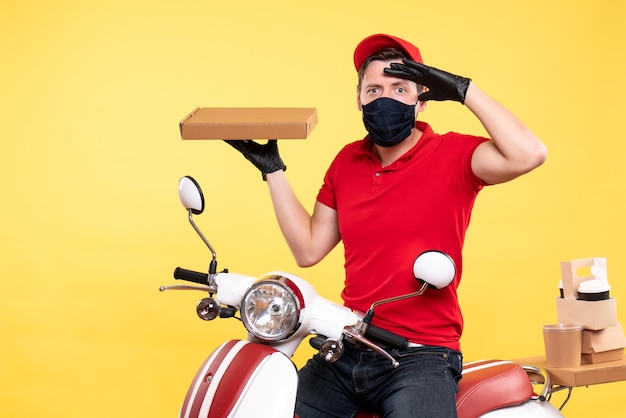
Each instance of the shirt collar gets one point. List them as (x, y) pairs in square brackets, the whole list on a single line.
[(366, 147)]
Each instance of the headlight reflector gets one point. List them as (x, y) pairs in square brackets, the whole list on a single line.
[(270, 311)]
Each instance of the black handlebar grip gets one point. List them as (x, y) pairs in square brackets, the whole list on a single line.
[(385, 337), (317, 341), (191, 276)]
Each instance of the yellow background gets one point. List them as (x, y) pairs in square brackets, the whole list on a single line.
[(91, 96)]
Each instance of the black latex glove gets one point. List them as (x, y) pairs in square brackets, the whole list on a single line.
[(441, 85), (265, 157)]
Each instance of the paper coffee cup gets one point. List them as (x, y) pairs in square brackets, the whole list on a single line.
[(592, 290), (563, 343)]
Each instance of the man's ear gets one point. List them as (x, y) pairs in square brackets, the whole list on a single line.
[(358, 99), (421, 105)]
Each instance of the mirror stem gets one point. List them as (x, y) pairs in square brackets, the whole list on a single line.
[(370, 313), (206, 242), (213, 265)]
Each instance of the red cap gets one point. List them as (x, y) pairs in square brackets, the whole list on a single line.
[(377, 42)]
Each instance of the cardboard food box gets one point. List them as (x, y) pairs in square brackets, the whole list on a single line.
[(603, 345), (248, 123), (592, 315), (585, 375)]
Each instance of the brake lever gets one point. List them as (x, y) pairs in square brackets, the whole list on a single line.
[(184, 287), (350, 334)]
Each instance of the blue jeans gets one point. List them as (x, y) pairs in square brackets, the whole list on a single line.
[(424, 385)]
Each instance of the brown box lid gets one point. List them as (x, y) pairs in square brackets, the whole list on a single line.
[(248, 123), (606, 339)]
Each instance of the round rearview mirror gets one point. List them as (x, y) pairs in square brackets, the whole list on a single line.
[(190, 195), (435, 268)]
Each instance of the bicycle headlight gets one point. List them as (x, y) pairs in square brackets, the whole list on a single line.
[(270, 309)]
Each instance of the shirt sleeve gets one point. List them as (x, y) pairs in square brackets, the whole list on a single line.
[(326, 195), (465, 146)]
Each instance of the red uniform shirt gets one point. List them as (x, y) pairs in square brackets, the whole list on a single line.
[(387, 216)]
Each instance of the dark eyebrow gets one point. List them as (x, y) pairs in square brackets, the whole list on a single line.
[(371, 85), (402, 82)]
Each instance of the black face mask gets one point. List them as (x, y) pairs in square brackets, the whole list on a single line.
[(388, 121)]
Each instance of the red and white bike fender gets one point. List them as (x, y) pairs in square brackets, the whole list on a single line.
[(239, 379)]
